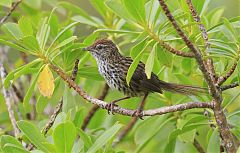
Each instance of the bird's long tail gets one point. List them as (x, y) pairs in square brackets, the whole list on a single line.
[(182, 89)]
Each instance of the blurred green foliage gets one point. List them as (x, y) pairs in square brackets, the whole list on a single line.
[(57, 31)]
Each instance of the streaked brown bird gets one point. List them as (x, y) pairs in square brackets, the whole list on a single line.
[(114, 67)]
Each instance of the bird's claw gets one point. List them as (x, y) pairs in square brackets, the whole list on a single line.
[(139, 113), (110, 108)]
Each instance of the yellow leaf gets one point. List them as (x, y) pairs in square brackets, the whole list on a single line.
[(46, 82)]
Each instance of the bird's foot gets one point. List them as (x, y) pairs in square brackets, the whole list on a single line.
[(139, 113), (110, 107)]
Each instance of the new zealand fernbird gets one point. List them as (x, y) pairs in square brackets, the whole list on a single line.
[(114, 67)]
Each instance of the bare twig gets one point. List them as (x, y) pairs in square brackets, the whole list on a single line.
[(222, 79), (214, 91), (17, 93), (126, 129), (7, 98), (198, 146), (57, 109), (75, 70), (168, 47), (130, 125), (49, 124), (94, 107), (14, 6), (226, 87), (205, 37)]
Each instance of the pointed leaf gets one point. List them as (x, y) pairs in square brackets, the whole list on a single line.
[(104, 138), (64, 135), (150, 62)]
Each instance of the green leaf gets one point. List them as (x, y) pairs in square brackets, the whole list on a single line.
[(164, 57), (135, 62), (30, 90), (85, 138), (11, 148), (25, 69), (64, 135), (63, 43), (7, 3), (84, 20), (150, 62), (43, 33), (90, 73), (229, 31), (143, 138), (135, 49), (75, 9), (68, 100), (62, 32), (34, 135), (7, 139), (136, 9), (185, 129), (238, 151), (13, 30), (35, 4), (15, 46), (118, 7), (214, 142), (31, 43), (100, 7), (104, 138), (79, 117), (204, 8), (41, 104), (25, 26)]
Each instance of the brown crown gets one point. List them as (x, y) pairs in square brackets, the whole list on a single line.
[(103, 41)]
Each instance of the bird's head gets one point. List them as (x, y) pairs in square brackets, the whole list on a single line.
[(103, 49)]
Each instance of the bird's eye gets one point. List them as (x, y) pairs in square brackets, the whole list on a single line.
[(99, 46)]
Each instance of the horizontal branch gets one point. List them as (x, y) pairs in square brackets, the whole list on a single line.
[(128, 112)]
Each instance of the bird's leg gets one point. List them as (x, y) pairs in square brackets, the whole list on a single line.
[(138, 111), (111, 105)]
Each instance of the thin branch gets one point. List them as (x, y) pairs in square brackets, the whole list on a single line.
[(126, 129), (58, 108), (94, 108), (49, 124), (128, 112), (17, 93), (214, 91), (205, 37), (168, 47), (198, 146), (226, 87), (75, 70), (130, 125), (7, 98), (222, 79), (14, 6)]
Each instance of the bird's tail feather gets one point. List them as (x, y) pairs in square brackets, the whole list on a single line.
[(183, 89)]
